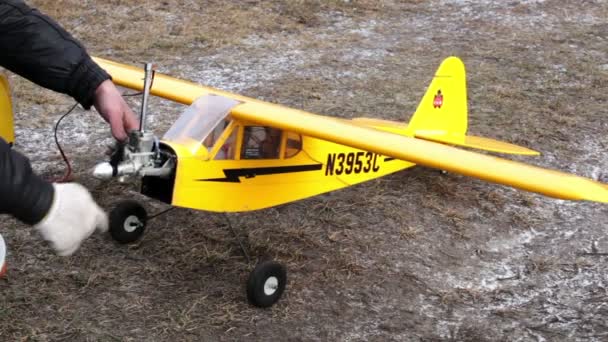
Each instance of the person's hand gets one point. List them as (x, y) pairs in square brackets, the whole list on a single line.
[(72, 218), (113, 108)]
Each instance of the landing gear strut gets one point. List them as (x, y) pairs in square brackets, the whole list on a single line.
[(266, 282)]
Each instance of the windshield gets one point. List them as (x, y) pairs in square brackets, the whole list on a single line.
[(198, 121)]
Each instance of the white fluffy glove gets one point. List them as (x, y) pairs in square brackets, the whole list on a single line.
[(73, 217)]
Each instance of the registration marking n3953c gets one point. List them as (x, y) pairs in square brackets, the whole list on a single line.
[(351, 162)]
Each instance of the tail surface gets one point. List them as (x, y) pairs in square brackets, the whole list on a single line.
[(444, 105), (442, 115)]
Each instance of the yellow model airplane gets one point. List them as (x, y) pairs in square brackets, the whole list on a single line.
[(230, 153)]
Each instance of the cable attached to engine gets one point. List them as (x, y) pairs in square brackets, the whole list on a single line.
[(67, 177)]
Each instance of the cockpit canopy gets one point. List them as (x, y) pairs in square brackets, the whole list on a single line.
[(206, 130), (199, 120)]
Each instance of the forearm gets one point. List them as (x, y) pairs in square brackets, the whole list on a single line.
[(23, 194), (37, 48)]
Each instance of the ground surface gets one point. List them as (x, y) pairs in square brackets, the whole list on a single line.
[(416, 256)]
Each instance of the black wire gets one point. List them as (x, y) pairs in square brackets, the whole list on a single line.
[(132, 94), (141, 92), (161, 213), (68, 173)]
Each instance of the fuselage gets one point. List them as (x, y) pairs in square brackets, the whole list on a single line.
[(309, 167)]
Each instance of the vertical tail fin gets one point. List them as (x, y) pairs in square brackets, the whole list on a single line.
[(443, 109), (442, 114), (6, 111)]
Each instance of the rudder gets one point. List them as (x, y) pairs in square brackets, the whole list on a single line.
[(443, 108)]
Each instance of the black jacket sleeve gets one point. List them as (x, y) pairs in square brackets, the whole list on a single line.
[(37, 48), (23, 194)]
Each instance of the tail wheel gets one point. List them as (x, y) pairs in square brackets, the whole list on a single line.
[(128, 221), (266, 284)]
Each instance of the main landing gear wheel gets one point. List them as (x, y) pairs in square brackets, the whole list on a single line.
[(128, 221), (266, 284)]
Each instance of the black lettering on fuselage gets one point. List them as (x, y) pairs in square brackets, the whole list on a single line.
[(358, 162), (368, 166), (351, 163), (329, 169), (376, 166), (340, 163)]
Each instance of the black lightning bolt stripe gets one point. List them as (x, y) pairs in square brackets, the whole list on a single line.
[(387, 159), (232, 175)]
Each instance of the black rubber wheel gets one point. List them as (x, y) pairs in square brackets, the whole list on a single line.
[(128, 221), (266, 284)]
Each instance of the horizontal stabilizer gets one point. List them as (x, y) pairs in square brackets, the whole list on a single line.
[(479, 143), (383, 125)]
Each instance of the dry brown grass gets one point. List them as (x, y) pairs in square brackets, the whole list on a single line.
[(132, 29)]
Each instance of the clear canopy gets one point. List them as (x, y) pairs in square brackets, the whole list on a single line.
[(198, 121)]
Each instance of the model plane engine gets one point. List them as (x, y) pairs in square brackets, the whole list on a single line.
[(141, 155)]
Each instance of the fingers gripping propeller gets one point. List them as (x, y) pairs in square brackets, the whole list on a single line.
[(138, 156)]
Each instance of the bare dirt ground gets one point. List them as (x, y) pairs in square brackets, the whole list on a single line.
[(416, 256)]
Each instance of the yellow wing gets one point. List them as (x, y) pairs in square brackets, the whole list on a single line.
[(497, 170), (523, 176)]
